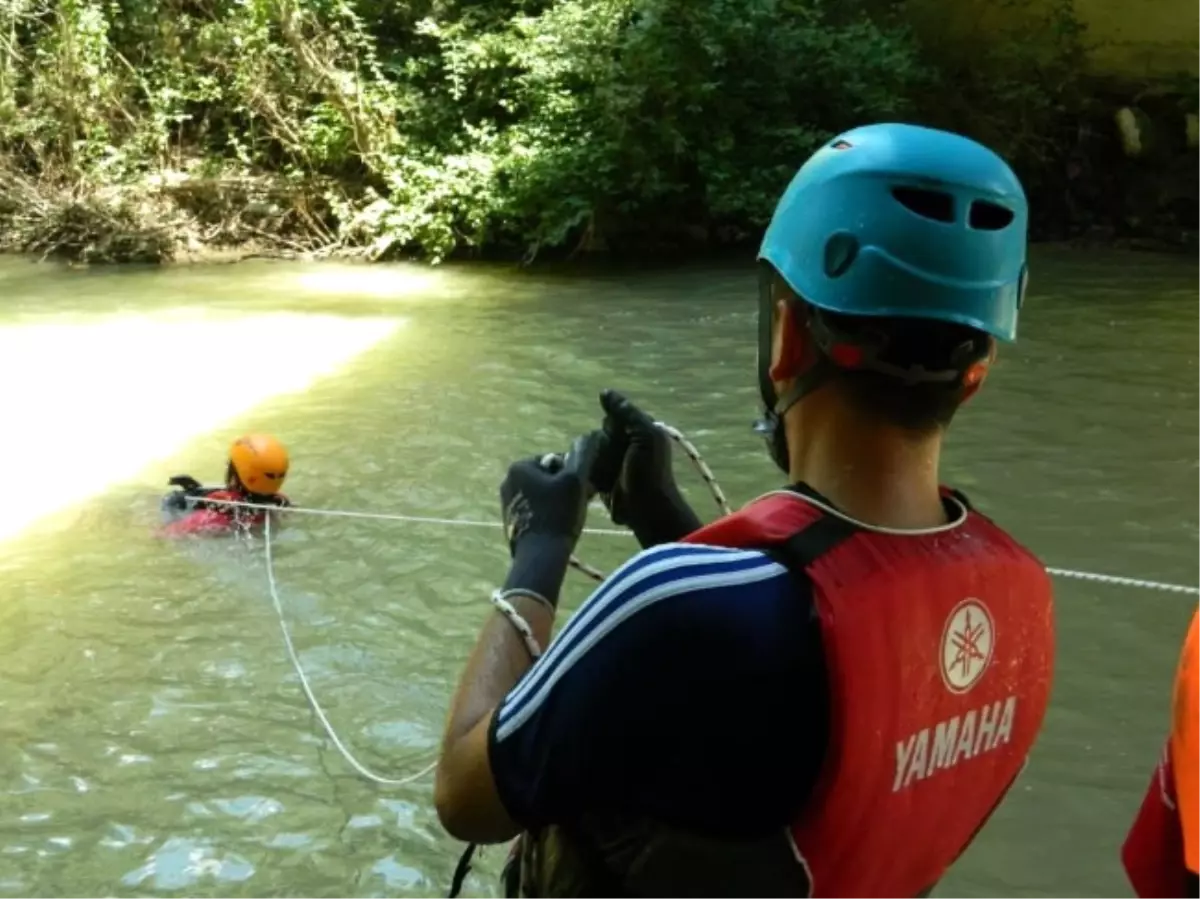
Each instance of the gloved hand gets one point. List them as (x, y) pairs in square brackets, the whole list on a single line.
[(543, 504), (185, 482), (634, 476)]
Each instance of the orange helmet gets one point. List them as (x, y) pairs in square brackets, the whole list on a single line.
[(260, 462)]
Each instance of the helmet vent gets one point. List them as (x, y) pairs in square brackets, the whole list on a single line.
[(985, 216), (840, 252), (928, 204)]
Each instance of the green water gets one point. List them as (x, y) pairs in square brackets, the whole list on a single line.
[(154, 739)]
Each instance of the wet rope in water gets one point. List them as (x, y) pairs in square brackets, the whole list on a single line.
[(307, 687), (718, 496)]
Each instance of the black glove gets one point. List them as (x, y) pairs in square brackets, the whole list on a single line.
[(177, 500), (634, 477), (543, 503)]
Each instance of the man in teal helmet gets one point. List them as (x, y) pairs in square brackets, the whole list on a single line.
[(828, 692), (900, 254)]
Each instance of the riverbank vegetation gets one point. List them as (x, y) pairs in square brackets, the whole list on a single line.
[(139, 130)]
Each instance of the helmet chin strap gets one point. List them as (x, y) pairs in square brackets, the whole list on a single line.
[(771, 425), (775, 407), (770, 428)]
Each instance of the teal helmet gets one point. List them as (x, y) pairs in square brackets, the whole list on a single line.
[(898, 221)]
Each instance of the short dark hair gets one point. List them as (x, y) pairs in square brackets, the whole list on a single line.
[(907, 343)]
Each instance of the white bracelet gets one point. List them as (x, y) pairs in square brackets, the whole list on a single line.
[(505, 608)]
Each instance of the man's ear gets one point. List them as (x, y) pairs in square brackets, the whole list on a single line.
[(977, 373), (789, 342)]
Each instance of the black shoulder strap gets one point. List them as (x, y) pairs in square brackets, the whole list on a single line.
[(823, 534), (461, 870), (966, 503), (962, 498)]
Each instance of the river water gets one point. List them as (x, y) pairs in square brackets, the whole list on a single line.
[(154, 739)]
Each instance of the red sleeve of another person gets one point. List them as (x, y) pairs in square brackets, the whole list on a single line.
[(1160, 853), (1153, 851)]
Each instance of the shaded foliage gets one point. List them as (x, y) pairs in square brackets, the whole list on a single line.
[(435, 126)]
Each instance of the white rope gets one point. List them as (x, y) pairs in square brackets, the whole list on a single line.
[(718, 496), (1095, 577), (379, 516), (1118, 581), (308, 691), (706, 474), (520, 625)]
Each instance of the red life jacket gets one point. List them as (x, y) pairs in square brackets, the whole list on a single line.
[(939, 648), (1153, 850), (213, 521)]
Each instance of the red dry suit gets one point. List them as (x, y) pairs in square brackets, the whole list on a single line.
[(940, 651), (216, 520)]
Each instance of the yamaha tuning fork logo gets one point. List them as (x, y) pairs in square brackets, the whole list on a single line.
[(967, 642)]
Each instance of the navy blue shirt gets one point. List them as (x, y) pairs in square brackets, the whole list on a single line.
[(689, 688)]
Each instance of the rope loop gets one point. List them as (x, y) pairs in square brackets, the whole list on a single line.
[(307, 687)]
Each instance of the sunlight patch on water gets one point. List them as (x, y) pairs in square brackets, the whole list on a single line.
[(88, 405)]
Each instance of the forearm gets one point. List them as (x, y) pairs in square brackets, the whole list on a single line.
[(465, 792), (495, 664)]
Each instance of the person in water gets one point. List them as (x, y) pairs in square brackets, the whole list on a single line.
[(1162, 852), (829, 692), (257, 468)]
